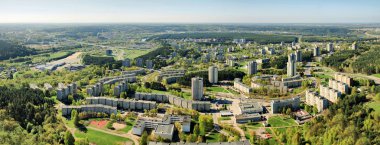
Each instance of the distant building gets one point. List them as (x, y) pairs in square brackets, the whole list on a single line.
[(299, 55), (291, 65), (197, 88), (252, 67), (127, 62), (354, 46), (330, 47), (149, 64), (139, 62), (316, 52), (213, 74), (109, 52)]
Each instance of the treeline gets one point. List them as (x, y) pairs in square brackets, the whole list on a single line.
[(28, 116), (368, 62), (9, 50), (101, 61), (259, 38), (347, 122), (333, 39), (337, 60), (228, 74)]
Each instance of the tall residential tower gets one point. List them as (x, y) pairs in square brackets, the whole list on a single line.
[(197, 88), (291, 65), (252, 67), (213, 74)]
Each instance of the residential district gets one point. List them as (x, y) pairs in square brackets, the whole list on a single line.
[(119, 86)]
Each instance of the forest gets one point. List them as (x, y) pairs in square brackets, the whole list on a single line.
[(347, 122), (368, 62), (337, 60), (9, 50), (28, 116)]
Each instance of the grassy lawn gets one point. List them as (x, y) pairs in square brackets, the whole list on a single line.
[(278, 121), (133, 53), (224, 118), (254, 125), (130, 122), (213, 137), (101, 138), (187, 96), (375, 106), (50, 56), (217, 89), (376, 75), (323, 76)]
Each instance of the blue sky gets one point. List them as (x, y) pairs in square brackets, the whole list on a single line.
[(190, 11)]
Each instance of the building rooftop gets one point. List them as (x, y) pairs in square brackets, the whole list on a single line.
[(165, 129)]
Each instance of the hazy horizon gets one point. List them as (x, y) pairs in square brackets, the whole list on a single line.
[(187, 12)]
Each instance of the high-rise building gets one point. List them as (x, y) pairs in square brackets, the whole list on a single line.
[(299, 55), (252, 67), (197, 88), (126, 62), (109, 52), (317, 51), (149, 64), (139, 62), (213, 74), (354, 46), (291, 65), (330, 47)]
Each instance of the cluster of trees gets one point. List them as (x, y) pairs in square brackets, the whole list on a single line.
[(368, 62), (234, 131), (227, 74), (337, 60), (279, 62), (155, 86), (183, 111), (27, 116), (347, 122), (110, 62), (229, 36), (9, 50)]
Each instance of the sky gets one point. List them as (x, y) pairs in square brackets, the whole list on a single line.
[(189, 11)]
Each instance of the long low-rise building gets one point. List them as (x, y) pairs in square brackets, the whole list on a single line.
[(170, 76), (245, 118), (250, 107), (339, 86), (135, 72), (64, 91), (123, 103), (330, 94), (314, 99), (278, 105), (96, 108), (181, 102), (242, 87), (343, 78), (162, 127)]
